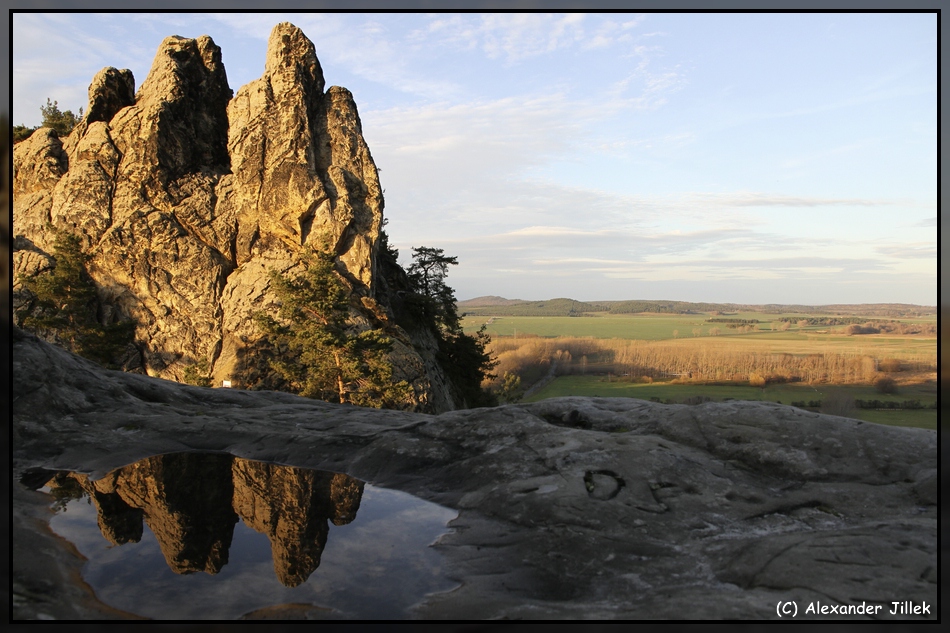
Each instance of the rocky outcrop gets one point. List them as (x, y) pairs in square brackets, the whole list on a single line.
[(186, 197), (568, 508)]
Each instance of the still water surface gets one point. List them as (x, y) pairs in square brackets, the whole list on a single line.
[(211, 536)]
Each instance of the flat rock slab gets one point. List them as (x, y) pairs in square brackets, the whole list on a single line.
[(568, 508)]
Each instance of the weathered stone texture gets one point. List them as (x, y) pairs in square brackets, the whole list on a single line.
[(186, 197), (594, 508)]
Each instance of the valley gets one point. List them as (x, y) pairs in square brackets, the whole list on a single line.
[(875, 363)]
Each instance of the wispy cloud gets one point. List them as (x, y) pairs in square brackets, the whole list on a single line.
[(871, 96), (760, 199), (511, 36), (67, 80), (582, 256), (362, 44), (910, 251), (554, 231), (646, 87), (611, 32)]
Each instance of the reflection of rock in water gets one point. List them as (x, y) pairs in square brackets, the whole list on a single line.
[(186, 501), (191, 502), (119, 522), (291, 506)]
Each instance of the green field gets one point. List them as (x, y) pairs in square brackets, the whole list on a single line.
[(628, 326), (680, 327), (694, 333), (654, 327), (602, 386)]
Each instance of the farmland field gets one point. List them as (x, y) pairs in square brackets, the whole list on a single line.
[(633, 326), (719, 355), (602, 386), (658, 327)]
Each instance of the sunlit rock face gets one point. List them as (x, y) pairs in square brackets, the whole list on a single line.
[(186, 196), (191, 502)]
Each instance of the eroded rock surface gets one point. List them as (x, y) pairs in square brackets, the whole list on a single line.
[(186, 196), (569, 508)]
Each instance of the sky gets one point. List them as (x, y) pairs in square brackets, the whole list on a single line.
[(727, 157)]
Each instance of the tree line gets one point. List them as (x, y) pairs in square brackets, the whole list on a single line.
[(422, 302)]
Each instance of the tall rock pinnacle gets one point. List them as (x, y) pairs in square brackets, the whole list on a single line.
[(301, 168), (185, 198)]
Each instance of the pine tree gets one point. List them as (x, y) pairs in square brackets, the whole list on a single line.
[(64, 307), (430, 267), (62, 122), (314, 350), (463, 357)]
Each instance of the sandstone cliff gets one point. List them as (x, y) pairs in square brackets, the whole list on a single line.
[(186, 196)]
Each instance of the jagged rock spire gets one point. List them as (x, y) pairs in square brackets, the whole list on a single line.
[(186, 198)]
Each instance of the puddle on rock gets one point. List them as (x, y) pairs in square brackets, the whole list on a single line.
[(210, 536)]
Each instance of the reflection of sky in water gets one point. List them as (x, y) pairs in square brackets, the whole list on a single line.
[(373, 568)]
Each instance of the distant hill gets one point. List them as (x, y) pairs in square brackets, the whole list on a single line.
[(551, 307), (499, 306), (489, 301)]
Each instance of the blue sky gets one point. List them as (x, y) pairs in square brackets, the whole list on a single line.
[(755, 158)]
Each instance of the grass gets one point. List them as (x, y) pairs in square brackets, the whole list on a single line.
[(666, 336), (650, 328), (926, 419), (791, 342), (600, 386), (920, 350), (679, 327)]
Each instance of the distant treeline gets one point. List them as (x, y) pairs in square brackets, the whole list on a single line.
[(498, 306), (570, 307), (824, 320), (857, 325), (666, 307), (893, 327), (736, 321)]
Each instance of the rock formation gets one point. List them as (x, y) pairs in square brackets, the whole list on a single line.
[(186, 197), (568, 508)]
